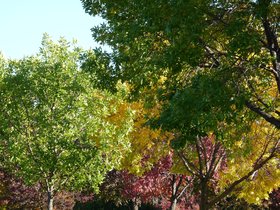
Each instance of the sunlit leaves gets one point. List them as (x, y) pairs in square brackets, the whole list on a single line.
[(245, 154), (57, 128), (148, 145)]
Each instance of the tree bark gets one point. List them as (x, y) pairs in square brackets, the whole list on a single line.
[(136, 204), (173, 204), (269, 118), (50, 198), (232, 186), (173, 198), (203, 203)]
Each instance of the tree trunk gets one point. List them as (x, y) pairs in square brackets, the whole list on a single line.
[(136, 204), (203, 203), (50, 198), (174, 191), (173, 204)]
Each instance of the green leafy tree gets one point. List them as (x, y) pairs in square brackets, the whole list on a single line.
[(99, 65), (56, 127), (221, 59), (239, 39)]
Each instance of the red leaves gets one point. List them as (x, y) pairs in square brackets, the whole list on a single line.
[(275, 199), (16, 195), (154, 186)]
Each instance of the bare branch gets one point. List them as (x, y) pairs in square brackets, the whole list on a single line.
[(183, 190), (199, 160), (214, 161), (191, 168)]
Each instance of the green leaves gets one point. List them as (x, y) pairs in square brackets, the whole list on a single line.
[(207, 105), (56, 126)]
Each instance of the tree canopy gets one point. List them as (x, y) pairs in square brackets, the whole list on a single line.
[(220, 61), (56, 128), (237, 39)]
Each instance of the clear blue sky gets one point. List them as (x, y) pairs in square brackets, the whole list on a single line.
[(23, 23)]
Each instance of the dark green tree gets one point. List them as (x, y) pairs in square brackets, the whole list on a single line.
[(238, 38), (221, 60)]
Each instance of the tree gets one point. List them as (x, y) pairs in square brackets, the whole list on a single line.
[(203, 161), (56, 128), (221, 59), (14, 194), (148, 145), (252, 150), (249, 168), (99, 65), (237, 39)]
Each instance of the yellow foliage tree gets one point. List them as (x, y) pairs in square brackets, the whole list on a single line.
[(148, 145), (251, 150)]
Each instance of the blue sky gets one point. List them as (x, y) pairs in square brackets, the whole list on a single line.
[(23, 23)]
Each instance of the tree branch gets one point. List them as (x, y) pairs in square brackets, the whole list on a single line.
[(231, 187), (269, 118), (201, 175), (189, 166)]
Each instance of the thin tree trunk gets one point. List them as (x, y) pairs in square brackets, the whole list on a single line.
[(173, 204), (136, 204), (50, 198), (203, 203), (173, 196)]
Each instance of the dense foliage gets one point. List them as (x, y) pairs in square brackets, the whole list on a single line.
[(236, 40), (182, 114), (220, 60), (56, 128)]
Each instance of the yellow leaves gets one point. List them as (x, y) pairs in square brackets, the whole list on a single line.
[(260, 140), (239, 144), (233, 107), (162, 79), (262, 183), (120, 114), (123, 87), (166, 42), (250, 56), (147, 145)]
